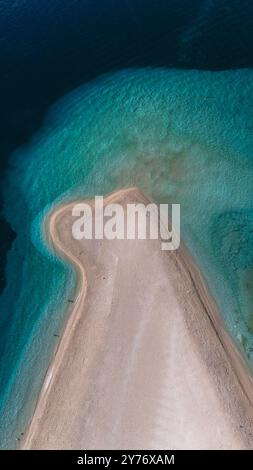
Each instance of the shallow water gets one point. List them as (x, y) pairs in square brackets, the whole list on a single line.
[(179, 136)]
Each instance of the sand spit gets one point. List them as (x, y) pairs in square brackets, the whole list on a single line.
[(144, 361)]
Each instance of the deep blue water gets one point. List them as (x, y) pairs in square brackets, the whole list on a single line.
[(47, 49)]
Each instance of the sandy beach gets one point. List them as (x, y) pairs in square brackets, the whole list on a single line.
[(144, 361)]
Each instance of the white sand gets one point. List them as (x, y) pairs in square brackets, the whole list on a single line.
[(140, 364)]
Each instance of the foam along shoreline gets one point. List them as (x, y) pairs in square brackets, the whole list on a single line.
[(144, 360)]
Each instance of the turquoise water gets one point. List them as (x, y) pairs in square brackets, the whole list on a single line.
[(179, 136)]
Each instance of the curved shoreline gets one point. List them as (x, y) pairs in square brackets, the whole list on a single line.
[(184, 262), (73, 317), (81, 290)]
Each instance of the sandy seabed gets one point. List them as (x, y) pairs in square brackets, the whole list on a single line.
[(144, 361)]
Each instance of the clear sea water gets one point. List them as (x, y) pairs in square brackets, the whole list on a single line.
[(180, 136)]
